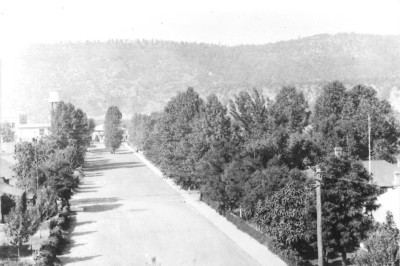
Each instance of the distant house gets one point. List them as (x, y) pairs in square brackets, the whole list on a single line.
[(386, 175), (98, 134), (27, 132)]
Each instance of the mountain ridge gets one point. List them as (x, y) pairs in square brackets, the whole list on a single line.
[(141, 75)]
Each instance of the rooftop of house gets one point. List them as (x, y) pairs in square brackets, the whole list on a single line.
[(382, 172)]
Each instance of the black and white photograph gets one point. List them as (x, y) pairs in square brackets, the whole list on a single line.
[(200, 133)]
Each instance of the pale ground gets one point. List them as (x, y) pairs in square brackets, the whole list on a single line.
[(127, 214)]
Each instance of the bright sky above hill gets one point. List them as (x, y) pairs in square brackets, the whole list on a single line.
[(228, 22)]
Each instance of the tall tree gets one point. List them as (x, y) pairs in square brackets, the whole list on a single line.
[(29, 157), (112, 132), (6, 132), (138, 131), (347, 200), (18, 226), (251, 113), (62, 123), (327, 114), (362, 102), (175, 130), (290, 109)]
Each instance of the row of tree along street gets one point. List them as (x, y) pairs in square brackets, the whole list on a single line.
[(48, 170), (249, 159)]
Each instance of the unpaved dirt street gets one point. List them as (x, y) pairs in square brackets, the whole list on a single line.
[(130, 215)]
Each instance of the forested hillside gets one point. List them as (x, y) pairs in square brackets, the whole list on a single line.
[(141, 76)]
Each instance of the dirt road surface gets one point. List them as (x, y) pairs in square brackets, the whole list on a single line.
[(127, 215)]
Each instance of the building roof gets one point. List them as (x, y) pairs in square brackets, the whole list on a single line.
[(382, 172)]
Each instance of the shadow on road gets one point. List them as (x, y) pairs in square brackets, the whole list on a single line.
[(95, 200), (100, 207), (123, 152), (72, 259), (110, 166), (83, 223), (82, 233), (71, 242), (92, 163), (86, 189), (93, 174)]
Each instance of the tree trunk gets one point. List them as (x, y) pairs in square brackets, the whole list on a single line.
[(18, 250), (344, 258)]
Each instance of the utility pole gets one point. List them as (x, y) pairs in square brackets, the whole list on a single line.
[(36, 163), (369, 144), (318, 182)]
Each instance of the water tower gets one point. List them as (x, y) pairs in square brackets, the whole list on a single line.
[(54, 98)]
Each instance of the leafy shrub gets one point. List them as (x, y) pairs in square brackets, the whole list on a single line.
[(291, 257), (381, 246), (53, 223), (47, 257), (63, 219)]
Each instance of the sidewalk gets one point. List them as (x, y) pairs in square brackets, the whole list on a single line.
[(256, 250)]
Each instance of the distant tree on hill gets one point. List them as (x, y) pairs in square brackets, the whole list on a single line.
[(6, 132), (113, 135)]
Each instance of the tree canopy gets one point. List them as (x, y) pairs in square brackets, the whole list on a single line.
[(247, 158), (112, 131)]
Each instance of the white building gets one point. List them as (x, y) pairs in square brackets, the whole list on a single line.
[(386, 175), (27, 132), (98, 134)]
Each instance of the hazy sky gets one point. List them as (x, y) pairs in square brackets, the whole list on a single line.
[(224, 22)]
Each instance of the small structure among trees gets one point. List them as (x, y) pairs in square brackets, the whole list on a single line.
[(112, 132)]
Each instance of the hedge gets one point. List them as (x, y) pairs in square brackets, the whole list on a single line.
[(291, 257)]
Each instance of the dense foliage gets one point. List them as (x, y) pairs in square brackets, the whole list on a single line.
[(250, 159), (112, 131), (45, 170), (382, 245), (341, 117), (6, 132), (347, 201)]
